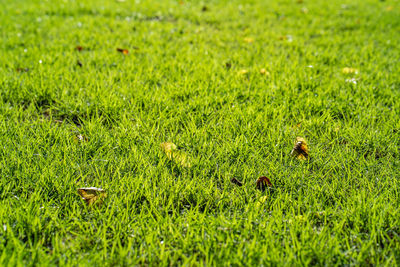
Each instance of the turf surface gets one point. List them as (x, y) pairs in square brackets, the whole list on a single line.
[(231, 84)]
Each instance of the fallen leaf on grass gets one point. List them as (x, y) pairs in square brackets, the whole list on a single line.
[(264, 72), (262, 183), (172, 152), (242, 72), (248, 40), (123, 51), (79, 48), (92, 195), (261, 201), (228, 65), (236, 182), (349, 71), (300, 149), (204, 8)]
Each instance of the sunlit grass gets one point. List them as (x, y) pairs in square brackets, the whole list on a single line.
[(232, 84)]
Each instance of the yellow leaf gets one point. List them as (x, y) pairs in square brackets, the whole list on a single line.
[(172, 153), (243, 72), (264, 72), (248, 40), (349, 71), (389, 8), (92, 195), (261, 201), (168, 147)]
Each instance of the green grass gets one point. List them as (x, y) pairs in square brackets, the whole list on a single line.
[(339, 208)]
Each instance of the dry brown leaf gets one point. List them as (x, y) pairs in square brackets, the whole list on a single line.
[(79, 48), (262, 183), (123, 51), (92, 195), (300, 149)]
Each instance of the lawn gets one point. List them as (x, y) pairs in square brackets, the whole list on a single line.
[(90, 91)]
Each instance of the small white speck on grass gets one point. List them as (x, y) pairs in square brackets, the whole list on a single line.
[(40, 61), (289, 38), (352, 80), (39, 19), (19, 34), (310, 66), (25, 50), (79, 24), (4, 227)]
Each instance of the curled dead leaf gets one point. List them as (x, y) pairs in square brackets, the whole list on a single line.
[(300, 149), (123, 51), (92, 195), (262, 183)]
